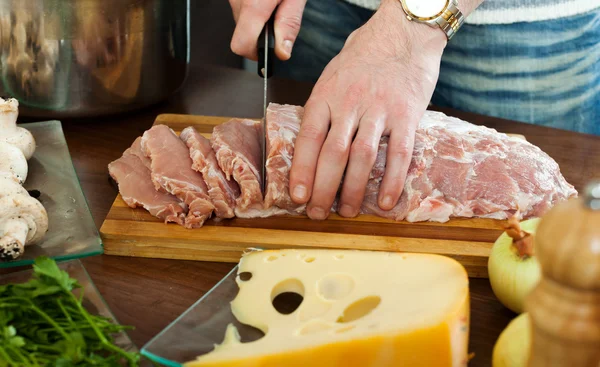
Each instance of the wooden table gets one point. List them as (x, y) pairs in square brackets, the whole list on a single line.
[(149, 293)]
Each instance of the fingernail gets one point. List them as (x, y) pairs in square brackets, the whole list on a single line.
[(300, 192), (347, 211), (287, 47), (318, 213), (387, 201)]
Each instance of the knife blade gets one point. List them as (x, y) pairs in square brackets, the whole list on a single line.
[(266, 53)]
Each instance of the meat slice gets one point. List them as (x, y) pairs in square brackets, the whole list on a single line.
[(171, 168), (136, 149), (136, 188), (222, 191), (237, 147), (283, 125), (457, 170)]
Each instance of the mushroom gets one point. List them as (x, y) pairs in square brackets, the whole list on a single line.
[(23, 219), (9, 131), (13, 161)]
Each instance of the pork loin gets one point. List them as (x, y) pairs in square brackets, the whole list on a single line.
[(171, 168), (238, 150), (222, 191), (457, 170), (137, 189), (283, 125)]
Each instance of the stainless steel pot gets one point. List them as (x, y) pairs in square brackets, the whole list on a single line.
[(74, 58)]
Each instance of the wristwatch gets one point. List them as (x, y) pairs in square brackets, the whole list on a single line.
[(435, 13)]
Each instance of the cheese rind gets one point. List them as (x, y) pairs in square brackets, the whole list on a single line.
[(359, 308)]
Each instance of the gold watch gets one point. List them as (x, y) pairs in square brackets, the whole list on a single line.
[(435, 13)]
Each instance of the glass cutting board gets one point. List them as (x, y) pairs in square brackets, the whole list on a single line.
[(198, 329), (72, 232)]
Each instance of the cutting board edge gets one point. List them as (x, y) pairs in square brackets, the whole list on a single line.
[(476, 267)]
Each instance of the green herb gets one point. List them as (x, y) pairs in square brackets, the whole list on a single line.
[(42, 323)]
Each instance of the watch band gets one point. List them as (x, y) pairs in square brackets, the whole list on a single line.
[(451, 20)]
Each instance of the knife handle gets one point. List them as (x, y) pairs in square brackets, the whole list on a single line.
[(268, 32)]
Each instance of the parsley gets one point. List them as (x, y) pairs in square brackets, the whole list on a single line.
[(42, 323)]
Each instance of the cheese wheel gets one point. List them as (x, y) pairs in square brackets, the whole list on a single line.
[(358, 308)]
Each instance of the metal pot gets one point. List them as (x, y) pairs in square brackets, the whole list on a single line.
[(75, 58)]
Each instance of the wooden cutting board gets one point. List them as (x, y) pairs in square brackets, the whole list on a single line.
[(134, 232)]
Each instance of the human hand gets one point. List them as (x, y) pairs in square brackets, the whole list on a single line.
[(379, 84), (252, 15)]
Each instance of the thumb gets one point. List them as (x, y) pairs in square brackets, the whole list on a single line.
[(287, 26)]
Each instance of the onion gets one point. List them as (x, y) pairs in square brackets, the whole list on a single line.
[(512, 348), (513, 269)]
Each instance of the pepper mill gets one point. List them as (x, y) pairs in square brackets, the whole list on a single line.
[(564, 307)]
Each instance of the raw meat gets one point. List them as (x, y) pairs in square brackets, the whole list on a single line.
[(458, 170), (171, 168), (136, 149), (136, 188), (222, 192), (283, 125), (237, 147)]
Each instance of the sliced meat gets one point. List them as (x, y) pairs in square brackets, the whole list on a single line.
[(171, 168), (283, 125), (136, 188), (457, 170), (136, 149), (222, 191), (237, 148)]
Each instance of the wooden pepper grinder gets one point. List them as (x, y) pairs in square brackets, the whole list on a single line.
[(565, 305)]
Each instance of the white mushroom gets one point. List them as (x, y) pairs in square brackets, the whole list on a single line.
[(23, 219), (13, 161), (11, 133)]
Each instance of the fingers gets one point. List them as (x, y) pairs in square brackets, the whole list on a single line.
[(362, 158), (399, 155), (287, 26), (253, 16), (331, 165), (311, 136)]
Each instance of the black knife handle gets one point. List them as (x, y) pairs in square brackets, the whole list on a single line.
[(270, 27)]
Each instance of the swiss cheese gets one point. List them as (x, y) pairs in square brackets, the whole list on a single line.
[(359, 308)]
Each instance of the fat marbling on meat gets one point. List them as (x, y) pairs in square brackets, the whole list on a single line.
[(283, 125), (136, 187), (458, 169), (222, 191), (171, 168), (238, 151)]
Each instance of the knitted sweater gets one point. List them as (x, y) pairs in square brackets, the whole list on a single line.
[(511, 11)]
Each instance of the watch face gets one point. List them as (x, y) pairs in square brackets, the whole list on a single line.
[(426, 8)]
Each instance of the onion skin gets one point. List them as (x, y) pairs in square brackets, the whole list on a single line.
[(513, 347), (511, 276)]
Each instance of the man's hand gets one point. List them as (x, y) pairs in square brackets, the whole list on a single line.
[(251, 16), (379, 84)]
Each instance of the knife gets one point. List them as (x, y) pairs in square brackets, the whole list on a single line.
[(266, 53)]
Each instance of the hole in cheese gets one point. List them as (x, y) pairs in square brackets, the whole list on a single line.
[(335, 286), (245, 276), (287, 302), (271, 258), (339, 256), (247, 333), (309, 259), (359, 309), (287, 296)]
